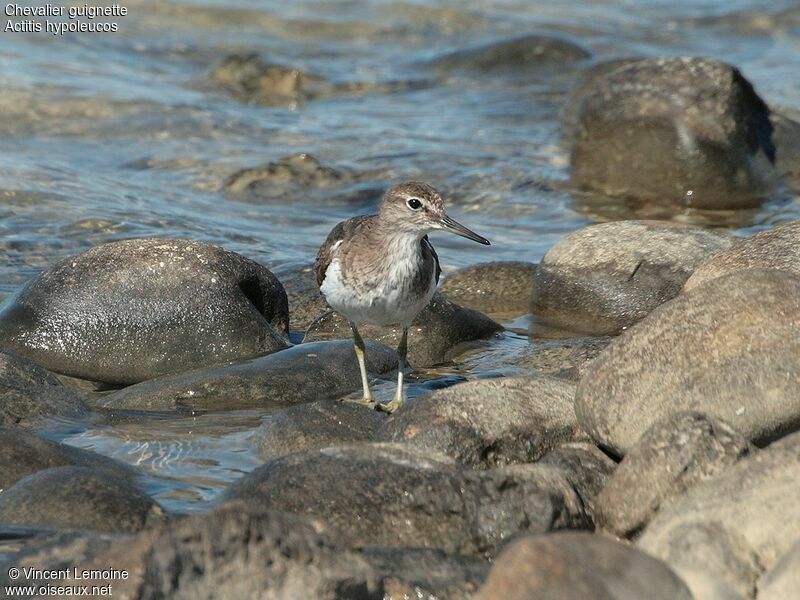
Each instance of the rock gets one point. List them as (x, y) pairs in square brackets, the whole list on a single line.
[(306, 303), (426, 573), (787, 142), (22, 453), (577, 566), (492, 287), (133, 310), (489, 422), (683, 131), (74, 497), (396, 495), (526, 52), (776, 248), (564, 358), (315, 425), (441, 330), (731, 527), (303, 373), (729, 348), (675, 454), (603, 278), (783, 579), (29, 392)]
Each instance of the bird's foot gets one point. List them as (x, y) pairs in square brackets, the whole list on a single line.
[(367, 401), (391, 406)]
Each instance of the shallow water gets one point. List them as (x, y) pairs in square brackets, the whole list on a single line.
[(111, 136)]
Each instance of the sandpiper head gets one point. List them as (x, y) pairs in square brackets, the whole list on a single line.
[(417, 207)]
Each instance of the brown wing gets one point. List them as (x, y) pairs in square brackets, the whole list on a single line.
[(426, 245), (342, 232)]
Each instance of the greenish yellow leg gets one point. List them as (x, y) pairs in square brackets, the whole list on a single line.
[(360, 349), (402, 350)]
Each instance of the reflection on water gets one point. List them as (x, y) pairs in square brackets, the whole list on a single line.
[(106, 137)]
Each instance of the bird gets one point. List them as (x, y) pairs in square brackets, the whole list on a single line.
[(381, 269)]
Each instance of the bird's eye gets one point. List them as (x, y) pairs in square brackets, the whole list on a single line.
[(414, 203)]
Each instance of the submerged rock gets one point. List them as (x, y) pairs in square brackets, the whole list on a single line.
[(604, 278), (489, 422), (299, 170), (579, 566), (438, 332), (303, 373), (683, 131), (491, 287), (563, 358), (29, 392), (729, 348), (133, 310)]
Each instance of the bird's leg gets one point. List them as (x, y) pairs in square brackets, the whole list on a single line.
[(402, 350), (358, 343)]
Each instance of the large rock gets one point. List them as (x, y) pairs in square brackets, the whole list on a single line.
[(683, 131), (734, 525), (776, 248), (22, 453), (303, 373), (603, 278), (73, 497), (29, 392), (783, 579), (489, 422), (491, 287), (579, 566), (438, 332), (674, 455), (133, 310), (396, 495), (729, 348)]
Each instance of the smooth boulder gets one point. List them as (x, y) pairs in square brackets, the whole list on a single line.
[(680, 131), (489, 422), (604, 278), (729, 348), (132, 310), (492, 287), (303, 373)]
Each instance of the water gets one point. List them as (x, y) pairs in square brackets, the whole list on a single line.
[(112, 136)]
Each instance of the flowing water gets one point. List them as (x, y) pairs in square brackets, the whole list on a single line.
[(112, 136)]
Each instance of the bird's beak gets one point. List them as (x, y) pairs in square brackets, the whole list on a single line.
[(457, 228)]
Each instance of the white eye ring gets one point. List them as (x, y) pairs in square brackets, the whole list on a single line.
[(414, 203)]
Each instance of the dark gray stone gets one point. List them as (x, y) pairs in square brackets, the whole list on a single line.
[(303, 373), (489, 422), (493, 287), (579, 566), (604, 278), (783, 579), (440, 331), (22, 453), (306, 303), (29, 392), (682, 131), (728, 348), (397, 495), (78, 498), (315, 425), (675, 454), (133, 310)]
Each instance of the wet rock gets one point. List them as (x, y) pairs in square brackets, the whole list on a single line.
[(776, 248), (396, 495), (315, 425), (787, 142), (426, 573), (577, 566), (492, 287), (525, 52), (74, 497), (675, 454), (22, 453), (303, 373), (564, 358), (603, 278), (306, 303), (783, 579), (489, 422), (29, 392), (133, 310), (237, 552), (729, 348), (441, 330), (682, 131), (731, 527)]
